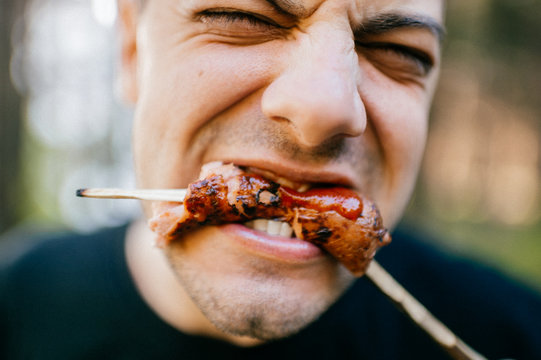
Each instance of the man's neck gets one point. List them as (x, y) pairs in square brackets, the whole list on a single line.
[(163, 293)]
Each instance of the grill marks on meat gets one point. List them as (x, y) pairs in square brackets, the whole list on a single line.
[(336, 219)]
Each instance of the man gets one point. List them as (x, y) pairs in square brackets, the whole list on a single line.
[(312, 91)]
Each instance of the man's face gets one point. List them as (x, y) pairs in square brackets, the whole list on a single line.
[(316, 91)]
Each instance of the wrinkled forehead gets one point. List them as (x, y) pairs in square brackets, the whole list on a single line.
[(360, 9)]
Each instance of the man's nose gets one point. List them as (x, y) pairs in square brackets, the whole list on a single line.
[(317, 92)]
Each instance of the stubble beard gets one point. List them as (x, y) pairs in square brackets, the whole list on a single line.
[(260, 305)]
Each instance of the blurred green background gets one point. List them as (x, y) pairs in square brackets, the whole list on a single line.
[(479, 190)]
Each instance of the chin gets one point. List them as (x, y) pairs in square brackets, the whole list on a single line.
[(245, 295), (266, 319), (263, 309)]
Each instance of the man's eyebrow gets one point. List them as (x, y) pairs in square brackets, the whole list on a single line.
[(378, 24), (383, 23)]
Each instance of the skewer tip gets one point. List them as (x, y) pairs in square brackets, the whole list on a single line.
[(80, 192)]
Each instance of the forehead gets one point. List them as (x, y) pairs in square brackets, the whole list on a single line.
[(359, 9)]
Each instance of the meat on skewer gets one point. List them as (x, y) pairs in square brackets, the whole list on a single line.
[(336, 219)]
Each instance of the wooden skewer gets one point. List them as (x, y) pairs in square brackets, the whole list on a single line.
[(419, 314), (377, 274), (176, 195)]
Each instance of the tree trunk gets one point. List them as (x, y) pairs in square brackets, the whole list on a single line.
[(10, 120)]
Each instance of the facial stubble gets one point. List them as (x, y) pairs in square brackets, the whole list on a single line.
[(260, 303)]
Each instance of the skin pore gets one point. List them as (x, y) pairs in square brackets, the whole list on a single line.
[(332, 91)]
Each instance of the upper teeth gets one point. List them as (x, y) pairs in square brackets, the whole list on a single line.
[(271, 227), (303, 188), (292, 185)]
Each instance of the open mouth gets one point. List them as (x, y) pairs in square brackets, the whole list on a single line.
[(273, 226), (324, 215)]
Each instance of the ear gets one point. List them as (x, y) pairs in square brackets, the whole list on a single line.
[(128, 15)]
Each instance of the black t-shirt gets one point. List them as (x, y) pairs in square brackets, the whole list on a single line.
[(72, 297)]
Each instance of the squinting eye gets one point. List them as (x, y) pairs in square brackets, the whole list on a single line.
[(228, 19), (399, 57)]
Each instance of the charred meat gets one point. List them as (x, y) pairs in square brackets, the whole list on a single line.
[(336, 219)]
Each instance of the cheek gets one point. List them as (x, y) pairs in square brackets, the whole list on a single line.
[(403, 137), (185, 90), (399, 116)]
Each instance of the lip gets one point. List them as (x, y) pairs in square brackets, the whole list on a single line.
[(298, 172), (284, 249)]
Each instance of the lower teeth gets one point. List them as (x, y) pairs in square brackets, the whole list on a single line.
[(271, 227)]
